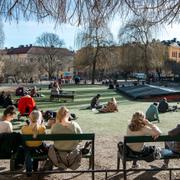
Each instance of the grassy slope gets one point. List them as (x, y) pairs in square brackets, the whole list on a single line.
[(104, 124)]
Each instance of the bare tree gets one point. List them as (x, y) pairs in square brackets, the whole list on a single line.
[(2, 36), (49, 40), (50, 58), (139, 31), (20, 70), (158, 11), (78, 11), (97, 37)]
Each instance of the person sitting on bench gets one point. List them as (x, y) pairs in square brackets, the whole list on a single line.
[(66, 149), (32, 147), (5, 122), (152, 113), (139, 126), (164, 106), (95, 102), (111, 106), (172, 145)]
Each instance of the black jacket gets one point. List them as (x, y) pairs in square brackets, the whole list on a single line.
[(9, 143)]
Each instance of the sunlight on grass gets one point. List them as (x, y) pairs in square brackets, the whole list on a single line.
[(108, 124)]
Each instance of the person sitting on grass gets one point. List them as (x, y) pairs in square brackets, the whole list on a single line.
[(26, 105), (2, 98), (111, 106), (50, 117), (164, 106), (32, 147), (95, 102), (8, 101), (68, 152), (34, 92), (152, 113), (139, 126)]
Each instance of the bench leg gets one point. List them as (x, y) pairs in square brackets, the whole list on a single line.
[(12, 164), (90, 163), (124, 169), (118, 160), (170, 174)]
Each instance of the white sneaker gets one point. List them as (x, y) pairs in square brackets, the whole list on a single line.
[(164, 166), (158, 153), (135, 166)]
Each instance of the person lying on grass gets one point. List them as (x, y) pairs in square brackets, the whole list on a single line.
[(111, 106)]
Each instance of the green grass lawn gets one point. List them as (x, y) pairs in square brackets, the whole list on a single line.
[(109, 124)]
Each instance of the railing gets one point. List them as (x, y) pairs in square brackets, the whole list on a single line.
[(105, 171)]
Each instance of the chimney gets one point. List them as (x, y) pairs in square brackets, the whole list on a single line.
[(174, 39)]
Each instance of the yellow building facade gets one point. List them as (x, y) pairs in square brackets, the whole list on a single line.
[(174, 52)]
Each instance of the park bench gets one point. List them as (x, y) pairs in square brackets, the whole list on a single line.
[(63, 137), (123, 155), (63, 95)]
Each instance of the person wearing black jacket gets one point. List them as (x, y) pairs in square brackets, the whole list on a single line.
[(11, 144), (164, 106)]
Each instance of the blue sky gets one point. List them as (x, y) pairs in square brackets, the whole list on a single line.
[(24, 33)]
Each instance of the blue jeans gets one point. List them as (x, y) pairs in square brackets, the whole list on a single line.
[(30, 163)]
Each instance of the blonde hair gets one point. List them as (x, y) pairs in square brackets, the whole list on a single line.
[(61, 113), (35, 118), (137, 121), (114, 100)]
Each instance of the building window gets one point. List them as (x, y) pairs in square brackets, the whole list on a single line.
[(172, 54), (176, 54)]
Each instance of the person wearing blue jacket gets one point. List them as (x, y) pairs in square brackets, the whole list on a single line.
[(152, 113)]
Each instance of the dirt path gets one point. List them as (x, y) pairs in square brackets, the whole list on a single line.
[(105, 158)]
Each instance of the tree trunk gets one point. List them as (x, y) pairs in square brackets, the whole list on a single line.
[(94, 66), (93, 71)]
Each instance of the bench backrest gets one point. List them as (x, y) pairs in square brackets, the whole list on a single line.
[(59, 137), (162, 138)]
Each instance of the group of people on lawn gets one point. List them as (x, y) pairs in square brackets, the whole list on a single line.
[(69, 152)]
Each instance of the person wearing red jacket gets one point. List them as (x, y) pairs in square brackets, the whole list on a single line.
[(26, 105)]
